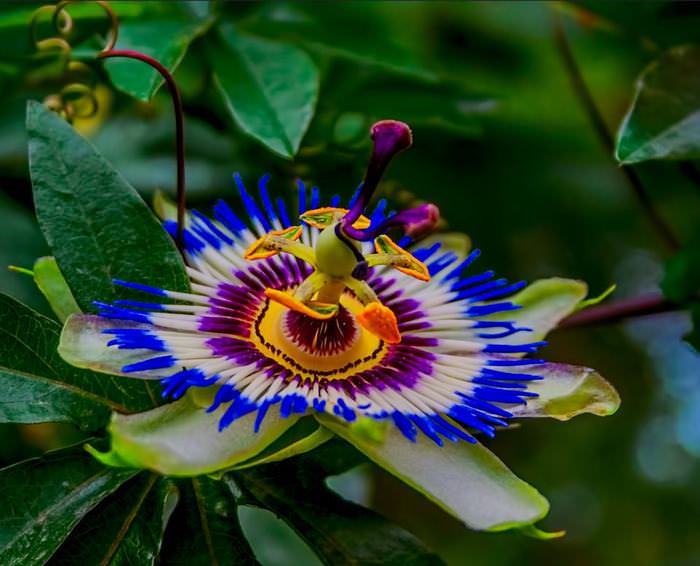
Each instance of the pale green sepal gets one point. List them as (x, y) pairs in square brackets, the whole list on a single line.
[(83, 344), (466, 480), (596, 300), (544, 303), (567, 391), (302, 446), (53, 286), (164, 208), (533, 532), (370, 429), (110, 459), (182, 439)]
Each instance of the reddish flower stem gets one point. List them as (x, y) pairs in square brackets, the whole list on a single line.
[(179, 128), (619, 310)]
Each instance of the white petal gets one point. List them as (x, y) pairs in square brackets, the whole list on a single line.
[(466, 480)]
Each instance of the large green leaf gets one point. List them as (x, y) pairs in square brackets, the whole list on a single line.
[(164, 35), (664, 119), (127, 528), (270, 88), (334, 28), (41, 387), (439, 105), (204, 529), (340, 532), (28, 398), (183, 439), (466, 480), (43, 499), (274, 542), (96, 224)]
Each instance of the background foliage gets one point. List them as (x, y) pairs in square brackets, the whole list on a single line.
[(502, 145)]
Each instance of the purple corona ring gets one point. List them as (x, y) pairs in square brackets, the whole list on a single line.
[(337, 310)]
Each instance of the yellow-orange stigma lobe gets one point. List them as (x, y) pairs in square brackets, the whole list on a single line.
[(380, 321)]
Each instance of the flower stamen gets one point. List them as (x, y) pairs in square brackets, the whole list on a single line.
[(337, 259), (278, 241), (390, 253), (323, 217), (314, 309)]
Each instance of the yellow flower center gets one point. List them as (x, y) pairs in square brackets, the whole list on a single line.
[(360, 350)]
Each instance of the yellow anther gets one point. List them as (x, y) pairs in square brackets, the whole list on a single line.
[(390, 253), (380, 321), (314, 309), (273, 243), (323, 217)]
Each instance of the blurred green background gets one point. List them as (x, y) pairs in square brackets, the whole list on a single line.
[(504, 148)]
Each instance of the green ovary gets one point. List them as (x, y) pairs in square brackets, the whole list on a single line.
[(333, 256)]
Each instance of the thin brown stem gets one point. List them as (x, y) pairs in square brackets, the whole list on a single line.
[(179, 128), (582, 92), (619, 310)]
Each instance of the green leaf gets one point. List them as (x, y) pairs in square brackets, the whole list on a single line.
[(204, 529), (183, 439), (567, 391), (53, 286), (127, 528), (164, 36), (40, 387), (466, 480), (333, 29), (544, 303), (340, 532), (270, 88), (32, 399), (664, 119), (438, 105), (274, 542), (44, 498), (96, 224)]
